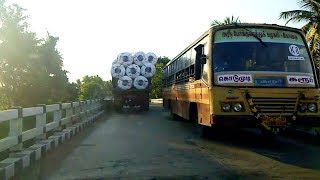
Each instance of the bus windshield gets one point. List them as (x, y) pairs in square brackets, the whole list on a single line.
[(281, 57)]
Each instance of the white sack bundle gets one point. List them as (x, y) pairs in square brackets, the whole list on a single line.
[(114, 61), (125, 83), (148, 70), (151, 58), (139, 58), (133, 71), (125, 59), (117, 71), (140, 82)]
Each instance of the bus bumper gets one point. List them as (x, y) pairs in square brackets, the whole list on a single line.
[(251, 121), (311, 121), (239, 121)]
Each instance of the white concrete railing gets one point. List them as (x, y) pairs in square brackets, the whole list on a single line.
[(77, 116), (157, 101)]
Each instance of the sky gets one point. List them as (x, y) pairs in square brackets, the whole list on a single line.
[(92, 33)]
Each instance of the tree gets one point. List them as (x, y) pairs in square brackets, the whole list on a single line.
[(156, 81), (16, 52), (227, 20), (93, 87), (31, 69), (51, 64), (72, 93), (310, 13), (109, 87)]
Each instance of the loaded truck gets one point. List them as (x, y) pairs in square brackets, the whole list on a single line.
[(130, 98), (131, 79)]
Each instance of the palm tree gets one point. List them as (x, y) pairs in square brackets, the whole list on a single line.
[(310, 12), (227, 20)]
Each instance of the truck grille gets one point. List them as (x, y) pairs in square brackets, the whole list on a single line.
[(275, 106)]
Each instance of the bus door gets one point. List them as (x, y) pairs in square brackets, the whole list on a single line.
[(201, 73)]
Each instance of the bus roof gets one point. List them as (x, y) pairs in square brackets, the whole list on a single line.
[(218, 27)]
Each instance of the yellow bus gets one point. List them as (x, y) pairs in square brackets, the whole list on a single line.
[(244, 75)]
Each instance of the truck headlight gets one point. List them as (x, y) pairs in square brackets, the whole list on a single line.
[(237, 107), (312, 107), (226, 107)]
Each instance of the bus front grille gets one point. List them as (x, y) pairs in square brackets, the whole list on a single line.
[(275, 106)]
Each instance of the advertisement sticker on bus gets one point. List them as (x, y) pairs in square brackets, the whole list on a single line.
[(305, 80), (295, 53), (270, 81), (234, 78), (266, 35)]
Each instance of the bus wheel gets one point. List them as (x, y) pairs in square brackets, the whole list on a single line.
[(174, 116), (206, 131), (317, 132), (193, 112)]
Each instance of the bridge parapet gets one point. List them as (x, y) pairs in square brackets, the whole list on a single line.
[(32, 132)]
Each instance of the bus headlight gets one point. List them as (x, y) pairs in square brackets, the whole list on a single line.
[(312, 107), (302, 107), (226, 107), (237, 107)]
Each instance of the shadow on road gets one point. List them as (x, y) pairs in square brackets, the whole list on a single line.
[(293, 150), (282, 149)]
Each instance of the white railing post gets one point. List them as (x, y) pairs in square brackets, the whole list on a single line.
[(41, 121), (16, 130), (80, 112), (57, 117), (92, 106), (60, 110), (87, 108), (97, 105), (84, 109), (69, 112), (89, 104), (74, 110)]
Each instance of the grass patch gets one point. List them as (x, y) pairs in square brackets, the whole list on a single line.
[(63, 113), (28, 123), (49, 117), (4, 129), (29, 143), (4, 155)]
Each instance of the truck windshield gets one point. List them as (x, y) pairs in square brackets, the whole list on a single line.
[(283, 54)]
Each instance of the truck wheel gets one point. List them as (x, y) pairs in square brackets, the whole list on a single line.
[(118, 108), (145, 106)]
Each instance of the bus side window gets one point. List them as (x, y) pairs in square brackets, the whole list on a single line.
[(188, 63), (205, 75), (192, 62)]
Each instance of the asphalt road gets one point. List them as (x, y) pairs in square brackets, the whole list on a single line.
[(154, 146)]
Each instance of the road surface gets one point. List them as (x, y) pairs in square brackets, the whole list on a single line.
[(154, 146)]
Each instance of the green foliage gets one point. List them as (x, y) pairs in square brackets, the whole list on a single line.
[(93, 87), (310, 13), (227, 20), (31, 69), (109, 87), (156, 81)]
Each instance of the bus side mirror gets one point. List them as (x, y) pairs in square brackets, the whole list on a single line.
[(200, 60), (203, 59), (197, 72)]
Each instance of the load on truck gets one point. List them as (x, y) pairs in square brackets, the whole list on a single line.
[(131, 79)]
